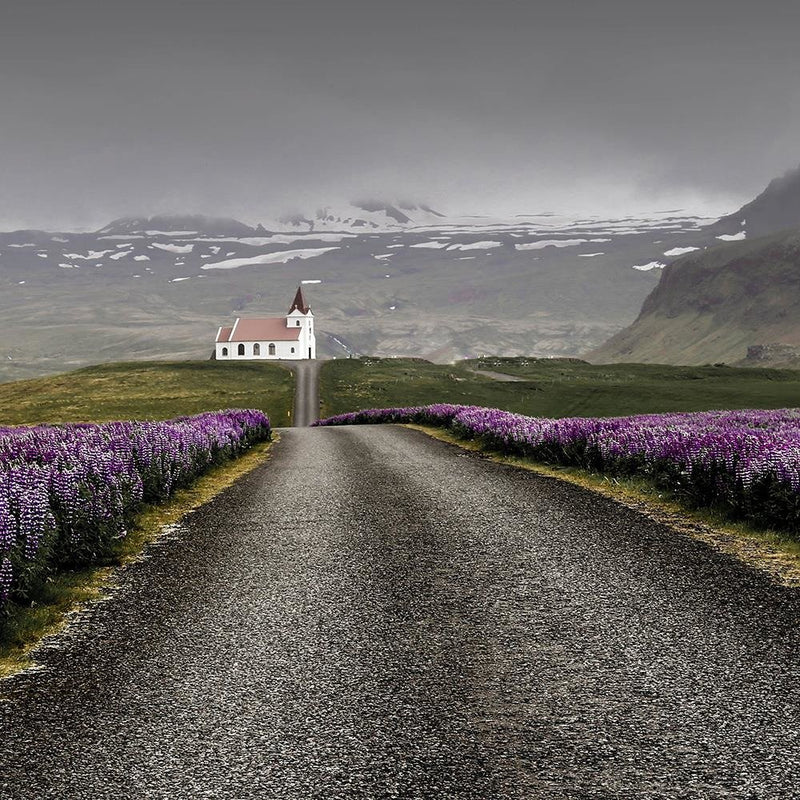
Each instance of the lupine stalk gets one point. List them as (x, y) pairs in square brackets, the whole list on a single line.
[(745, 462), (68, 492)]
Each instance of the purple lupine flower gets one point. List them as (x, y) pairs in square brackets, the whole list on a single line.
[(77, 486), (749, 461)]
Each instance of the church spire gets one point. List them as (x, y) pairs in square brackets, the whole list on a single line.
[(299, 302)]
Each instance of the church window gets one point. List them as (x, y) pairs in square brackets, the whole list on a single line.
[(293, 349), (224, 351), (298, 323), (240, 350), (256, 349), (272, 349)]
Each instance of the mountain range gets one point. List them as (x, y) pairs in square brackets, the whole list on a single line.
[(391, 279), (360, 215)]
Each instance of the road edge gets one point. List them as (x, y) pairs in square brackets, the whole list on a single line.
[(770, 552), (83, 589)]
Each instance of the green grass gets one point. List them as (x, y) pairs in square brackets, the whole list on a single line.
[(553, 387), (148, 390)]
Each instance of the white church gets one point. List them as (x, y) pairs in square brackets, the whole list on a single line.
[(290, 337)]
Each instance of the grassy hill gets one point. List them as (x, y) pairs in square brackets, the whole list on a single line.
[(713, 305), (148, 390), (553, 387)]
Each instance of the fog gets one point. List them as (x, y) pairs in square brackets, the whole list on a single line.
[(251, 109)]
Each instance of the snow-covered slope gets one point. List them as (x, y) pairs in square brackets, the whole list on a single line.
[(360, 215)]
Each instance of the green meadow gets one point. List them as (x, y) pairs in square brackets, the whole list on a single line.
[(148, 390), (553, 387), (542, 387)]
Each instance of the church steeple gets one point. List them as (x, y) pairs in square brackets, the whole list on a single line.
[(299, 302)]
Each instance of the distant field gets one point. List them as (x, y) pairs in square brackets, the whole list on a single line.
[(553, 387), (549, 387), (148, 390)]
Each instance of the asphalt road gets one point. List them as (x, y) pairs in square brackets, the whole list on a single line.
[(306, 392), (502, 377), (375, 614)]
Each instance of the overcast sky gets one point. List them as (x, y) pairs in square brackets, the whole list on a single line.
[(252, 108)]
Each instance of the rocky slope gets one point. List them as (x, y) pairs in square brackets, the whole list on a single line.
[(734, 303), (777, 208)]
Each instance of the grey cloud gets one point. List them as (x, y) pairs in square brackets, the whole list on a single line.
[(248, 108)]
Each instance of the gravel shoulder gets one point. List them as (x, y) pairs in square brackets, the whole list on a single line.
[(374, 613)]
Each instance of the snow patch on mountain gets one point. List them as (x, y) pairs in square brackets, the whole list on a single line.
[(550, 243), (733, 237), (650, 265), (269, 258), (92, 255), (475, 246), (679, 251), (174, 248)]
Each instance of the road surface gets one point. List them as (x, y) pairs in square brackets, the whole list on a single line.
[(501, 377), (306, 391), (375, 614)]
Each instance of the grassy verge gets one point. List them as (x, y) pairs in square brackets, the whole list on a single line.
[(771, 551), (66, 593), (552, 387)]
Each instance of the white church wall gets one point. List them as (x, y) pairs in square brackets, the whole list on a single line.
[(293, 350)]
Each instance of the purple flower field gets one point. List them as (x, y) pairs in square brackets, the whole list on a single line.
[(745, 463), (67, 493)]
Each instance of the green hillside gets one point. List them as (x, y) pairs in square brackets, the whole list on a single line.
[(148, 390), (553, 387), (715, 304)]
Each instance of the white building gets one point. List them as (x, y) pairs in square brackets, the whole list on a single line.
[(290, 337)]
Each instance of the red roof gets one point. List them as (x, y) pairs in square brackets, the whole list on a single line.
[(272, 329), (223, 334)]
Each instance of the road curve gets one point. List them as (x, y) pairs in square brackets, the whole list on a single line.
[(306, 391), (375, 614)]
